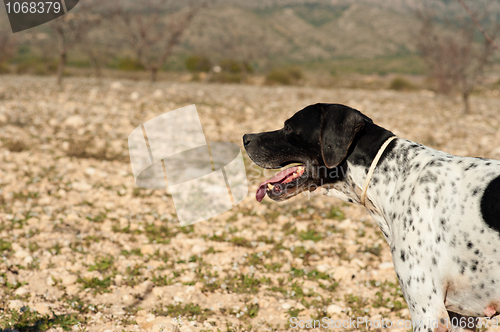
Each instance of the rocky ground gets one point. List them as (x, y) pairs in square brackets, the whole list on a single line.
[(84, 249)]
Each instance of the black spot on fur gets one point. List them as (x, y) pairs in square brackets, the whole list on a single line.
[(490, 207)]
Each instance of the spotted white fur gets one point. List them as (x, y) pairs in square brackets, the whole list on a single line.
[(427, 203)]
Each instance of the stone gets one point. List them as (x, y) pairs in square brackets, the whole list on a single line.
[(42, 307), (28, 260), (134, 96), (90, 171), (148, 249), (49, 281), (322, 268), (15, 304), (385, 265), (74, 121), (158, 94), (198, 249), (21, 291), (69, 279), (117, 85), (334, 309), (81, 186), (342, 273)]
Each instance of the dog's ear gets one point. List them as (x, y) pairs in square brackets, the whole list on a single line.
[(340, 124)]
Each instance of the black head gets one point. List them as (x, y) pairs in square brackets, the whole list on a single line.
[(320, 138)]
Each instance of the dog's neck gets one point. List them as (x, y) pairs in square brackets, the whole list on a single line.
[(383, 185)]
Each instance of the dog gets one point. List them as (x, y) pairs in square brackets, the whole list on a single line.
[(439, 213)]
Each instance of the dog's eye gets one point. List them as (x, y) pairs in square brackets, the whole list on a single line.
[(288, 129)]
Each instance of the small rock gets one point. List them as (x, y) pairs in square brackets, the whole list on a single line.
[(147, 249), (69, 279), (286, 306), (158, 94), (15, 304), (134, 95), (385, 265), (358, 263), (322, 268), (109, 205), (90, 171), (282, 219), (190, 289), (346, 224), (198, 249), (81, 186), (21, 253), (343, 273), (49, 281), (72, 289), (334, 309), (286, 267), (74, 121), (118, 279), (21, 291), (42, 308), (117, 85)]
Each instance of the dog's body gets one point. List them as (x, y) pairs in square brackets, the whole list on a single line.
[(439, 213)]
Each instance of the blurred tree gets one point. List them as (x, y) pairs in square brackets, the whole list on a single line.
[(8, 48), (455, 55), (243, 47), (478, 24), (72, 29), (152, 28), (99, 47)]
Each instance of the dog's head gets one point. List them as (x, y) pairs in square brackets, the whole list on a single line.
[(319, 138)]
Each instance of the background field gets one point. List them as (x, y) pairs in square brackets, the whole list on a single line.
[(83, 248)]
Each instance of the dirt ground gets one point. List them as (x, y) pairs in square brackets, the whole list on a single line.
[(84, 249)]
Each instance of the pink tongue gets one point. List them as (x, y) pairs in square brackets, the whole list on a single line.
[(261, 192)]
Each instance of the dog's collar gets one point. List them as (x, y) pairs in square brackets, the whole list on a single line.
[(372, 168)]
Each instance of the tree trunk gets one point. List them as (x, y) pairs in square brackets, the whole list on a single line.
[(154, 74), (466, 100), (94, 63), (243, 77), (60, 66)]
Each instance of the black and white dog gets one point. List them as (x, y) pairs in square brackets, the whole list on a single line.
[(439, 213)]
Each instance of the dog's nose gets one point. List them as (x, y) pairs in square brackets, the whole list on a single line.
[(247, 138)]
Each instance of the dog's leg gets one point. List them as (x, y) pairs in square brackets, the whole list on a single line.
[(433, 319), (421, 290), (459, 323)]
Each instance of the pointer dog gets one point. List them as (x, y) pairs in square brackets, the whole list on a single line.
[(439, 213)]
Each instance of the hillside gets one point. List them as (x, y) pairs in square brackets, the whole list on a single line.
[(303, 33)]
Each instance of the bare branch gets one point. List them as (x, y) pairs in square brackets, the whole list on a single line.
[(454, 58), (479, 26), (152, 28), (7, 46)]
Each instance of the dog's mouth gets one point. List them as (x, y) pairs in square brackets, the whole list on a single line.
[(285, 184)]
